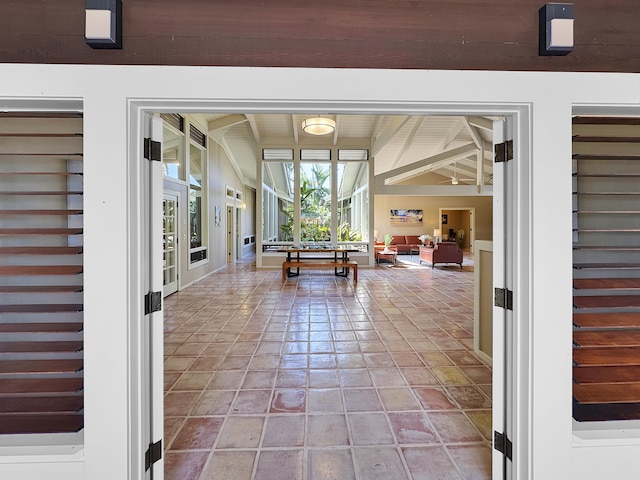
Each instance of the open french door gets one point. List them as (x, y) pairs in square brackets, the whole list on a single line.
[(170, 253), (503, 354), (152, 331)]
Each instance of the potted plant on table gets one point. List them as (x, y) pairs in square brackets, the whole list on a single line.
[(387, 241), (423, 238)]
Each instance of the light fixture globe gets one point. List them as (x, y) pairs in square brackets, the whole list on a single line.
[(319, 126)]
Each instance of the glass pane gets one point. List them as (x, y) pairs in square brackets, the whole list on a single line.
[(353, 201), (169, 242), (277, 154), (315, 202), (173, 163), (315, 154), (196, 204), (277, 201), (353, 154)]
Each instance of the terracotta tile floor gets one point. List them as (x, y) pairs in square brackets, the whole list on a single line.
[(316, 379)]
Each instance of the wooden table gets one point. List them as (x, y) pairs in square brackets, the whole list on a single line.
[(336, 257)]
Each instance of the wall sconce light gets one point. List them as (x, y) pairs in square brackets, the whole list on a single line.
[(103, 23), (556, 29)]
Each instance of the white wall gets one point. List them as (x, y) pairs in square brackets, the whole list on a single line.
[(546, 447)]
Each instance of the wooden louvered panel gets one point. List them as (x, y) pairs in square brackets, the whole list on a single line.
[(606, 283), (57, 404), (61, 366), (607, 393), (41, 212), (40, 270), (41, 135), (40, 385), (41, 154), (40, 250), (28, 327), (616, 121), (607, 338), (40, 231), (607, 266), (609, 301), (580, 138), (606, 411), (582, 156), (41, 308), (614, 374), (41, 347), (607, 320), (41, 289), (41, 366), (606, 356), (45, 193), (40, 423), (19, 174)]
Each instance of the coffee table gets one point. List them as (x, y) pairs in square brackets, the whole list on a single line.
[(391, 256)]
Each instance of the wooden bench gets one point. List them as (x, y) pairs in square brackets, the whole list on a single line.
[(287, 265)]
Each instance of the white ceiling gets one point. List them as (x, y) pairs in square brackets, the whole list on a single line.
[(412, 150)]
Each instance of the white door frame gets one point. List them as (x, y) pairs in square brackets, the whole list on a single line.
[(472, 223), (519, 253)]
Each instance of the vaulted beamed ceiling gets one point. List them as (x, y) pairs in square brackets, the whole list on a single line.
[(411, 154)]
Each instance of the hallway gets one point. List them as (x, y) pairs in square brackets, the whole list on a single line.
[(317, 379)]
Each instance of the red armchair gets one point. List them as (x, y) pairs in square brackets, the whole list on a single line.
[(444, 252)]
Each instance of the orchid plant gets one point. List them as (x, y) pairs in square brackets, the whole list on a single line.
[(423, 238)]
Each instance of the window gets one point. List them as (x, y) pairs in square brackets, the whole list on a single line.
[(197, 205), (353, 201), (315, 202), (331, 202), (277, 202), (606, 268), (41, 281)]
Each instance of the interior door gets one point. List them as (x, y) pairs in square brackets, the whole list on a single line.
[(169, 243), (238, 233), (502, 364), (230, 234)]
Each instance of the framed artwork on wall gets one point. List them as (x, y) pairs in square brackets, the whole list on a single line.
[(445, 219), (406, 217)]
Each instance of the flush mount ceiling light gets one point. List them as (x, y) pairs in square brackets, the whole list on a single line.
[(319, 126), (103, 23), (556, 29)]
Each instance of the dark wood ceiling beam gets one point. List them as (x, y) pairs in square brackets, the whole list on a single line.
[(450, 34)]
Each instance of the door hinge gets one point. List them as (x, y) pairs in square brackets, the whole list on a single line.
[(152, 150), (152, 302), (504, 298), (153, 454), (503, 444), (504, 151)]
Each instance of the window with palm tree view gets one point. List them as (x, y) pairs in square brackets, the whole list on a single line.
[(331, 202)]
